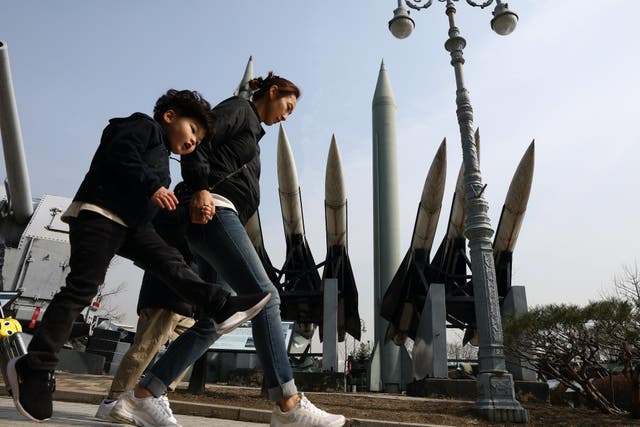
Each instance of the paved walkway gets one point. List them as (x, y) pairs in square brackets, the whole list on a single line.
[(81, 414), (77, 398)]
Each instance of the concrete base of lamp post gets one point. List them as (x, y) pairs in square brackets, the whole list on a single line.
[(498, 401)]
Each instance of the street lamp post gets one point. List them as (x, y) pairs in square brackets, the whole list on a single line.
[(496, 396)]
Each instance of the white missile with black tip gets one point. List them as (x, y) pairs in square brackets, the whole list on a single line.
[(302, 281), (405, 295), (337, 263), (454, 240)]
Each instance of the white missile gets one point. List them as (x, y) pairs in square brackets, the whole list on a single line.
[(515, 203), (400, 303), (288, 188), (431, 201), (337, 263), (455, 227), (299, 269), (335, 198)]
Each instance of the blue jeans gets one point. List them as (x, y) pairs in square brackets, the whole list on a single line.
[(225, 245)]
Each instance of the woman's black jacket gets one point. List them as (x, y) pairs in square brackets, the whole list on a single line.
[(233, 150)]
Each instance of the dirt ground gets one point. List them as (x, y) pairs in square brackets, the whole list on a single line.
[(410, 409)]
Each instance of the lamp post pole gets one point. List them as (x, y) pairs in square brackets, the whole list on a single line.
[(496, 396)]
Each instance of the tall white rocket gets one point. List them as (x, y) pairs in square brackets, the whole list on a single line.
[(386, 364)]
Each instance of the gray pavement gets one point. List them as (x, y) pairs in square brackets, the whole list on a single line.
[(81, 414)]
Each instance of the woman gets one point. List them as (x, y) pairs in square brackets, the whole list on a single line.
[(224, 178)]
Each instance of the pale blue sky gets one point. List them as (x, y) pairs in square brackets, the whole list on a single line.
[(567, 77)]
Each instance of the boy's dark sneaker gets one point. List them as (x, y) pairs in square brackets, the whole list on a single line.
[(31, 389), (237, 310)]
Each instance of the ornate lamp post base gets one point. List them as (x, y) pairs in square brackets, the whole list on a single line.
[(497, 400)]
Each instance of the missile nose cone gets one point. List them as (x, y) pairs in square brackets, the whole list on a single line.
[(437, 173), (520, 187), (431, 201), (243, 90), (383, 94), (515, 204), (287, 174), (334, 179)]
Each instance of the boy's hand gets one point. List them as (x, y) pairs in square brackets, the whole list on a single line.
[(165, 198), (202, 207)]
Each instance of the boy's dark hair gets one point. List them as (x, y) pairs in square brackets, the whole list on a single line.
[(186, 103)]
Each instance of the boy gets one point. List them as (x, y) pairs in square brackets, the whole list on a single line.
[(110, 214)]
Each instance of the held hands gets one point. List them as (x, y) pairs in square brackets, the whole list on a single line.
[(165, 198), (202, 207)]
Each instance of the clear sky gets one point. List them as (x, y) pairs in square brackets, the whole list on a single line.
[(567, 77)]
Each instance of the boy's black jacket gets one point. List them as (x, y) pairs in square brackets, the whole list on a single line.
[(234, 144), (130, 164)]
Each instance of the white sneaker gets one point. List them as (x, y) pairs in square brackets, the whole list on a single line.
[(104, 411), (144, 411), (305, 414)]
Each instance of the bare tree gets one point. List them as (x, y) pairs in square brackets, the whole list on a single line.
[(627, 284), (455, 350), (106, 308)]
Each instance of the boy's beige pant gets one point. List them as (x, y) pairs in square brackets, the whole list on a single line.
[(155, 327)]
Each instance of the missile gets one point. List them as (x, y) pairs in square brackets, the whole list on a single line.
[(404, 298), (243, 90), (302, 300), (430, 202), (511, 218), (449, 264), (449, 258), (455, 228), (337, 263), (288, 189), (335, 198)]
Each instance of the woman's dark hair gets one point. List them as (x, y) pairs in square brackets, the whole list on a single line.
[(186, 103), (261, 86)]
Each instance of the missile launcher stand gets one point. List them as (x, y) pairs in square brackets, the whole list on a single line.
[(449, 298)]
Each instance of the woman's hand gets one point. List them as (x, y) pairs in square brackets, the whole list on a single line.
[(165, 198), (202, 207)]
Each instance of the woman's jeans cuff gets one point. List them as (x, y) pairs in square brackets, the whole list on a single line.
[(155, 385), (283, 391)]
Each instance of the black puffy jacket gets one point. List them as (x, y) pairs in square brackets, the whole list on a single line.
[(130, 164), (233, 146)]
